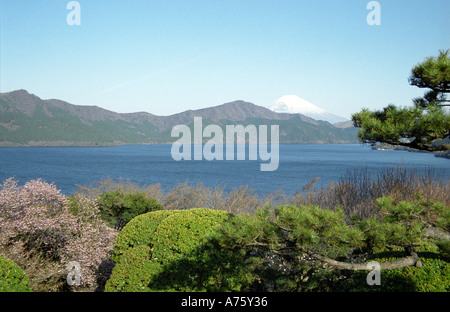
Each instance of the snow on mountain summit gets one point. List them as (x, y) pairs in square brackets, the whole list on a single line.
[(293, 104)]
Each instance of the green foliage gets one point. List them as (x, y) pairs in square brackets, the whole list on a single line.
[(182, 232), (278, 249), (403, 223), (133, 271), (415, 127), (12, 277), (308, 227), (118, 208), (206, 268), (432, 276), (176, 251), (139, 231), (289, 230), (420, 126), (241, 230), (319, 229), (433, 73), (444, 248)]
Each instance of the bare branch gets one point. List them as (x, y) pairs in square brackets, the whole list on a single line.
[(412, 260), (435, 233)]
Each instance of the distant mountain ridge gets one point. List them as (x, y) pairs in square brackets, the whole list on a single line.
[(26, 119)]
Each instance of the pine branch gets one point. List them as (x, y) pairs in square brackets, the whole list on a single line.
[(412, 260)]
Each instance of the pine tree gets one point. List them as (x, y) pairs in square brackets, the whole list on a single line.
[(420, 126)]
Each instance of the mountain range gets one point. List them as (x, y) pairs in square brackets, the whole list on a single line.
[(27, 120)]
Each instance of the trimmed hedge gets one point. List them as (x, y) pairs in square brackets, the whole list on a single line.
[(133, 271), (179, 234), (139, 231), (173, 251), (12, 277)]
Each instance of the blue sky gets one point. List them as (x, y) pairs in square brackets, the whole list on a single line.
[(168, 56)]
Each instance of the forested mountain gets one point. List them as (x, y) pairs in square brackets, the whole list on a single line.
[(26, 119)]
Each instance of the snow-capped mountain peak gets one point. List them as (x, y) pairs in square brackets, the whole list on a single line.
[(293, 104)]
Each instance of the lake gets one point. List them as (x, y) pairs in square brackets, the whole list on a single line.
[(68, 167)]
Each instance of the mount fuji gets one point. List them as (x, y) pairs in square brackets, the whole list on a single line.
[(293, 104)]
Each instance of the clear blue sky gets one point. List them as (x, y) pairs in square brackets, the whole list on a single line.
[(168, 56)]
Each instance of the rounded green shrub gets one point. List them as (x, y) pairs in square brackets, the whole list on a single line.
[(139, 231), (180, 233), (176, 251), (133, 271), (12, 277)]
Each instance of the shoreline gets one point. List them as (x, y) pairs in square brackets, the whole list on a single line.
[(379, 147), (388, 147)]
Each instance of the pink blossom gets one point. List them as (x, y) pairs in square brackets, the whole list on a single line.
[(37, 218)]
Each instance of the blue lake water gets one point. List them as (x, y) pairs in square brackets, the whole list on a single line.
[(68, 167)]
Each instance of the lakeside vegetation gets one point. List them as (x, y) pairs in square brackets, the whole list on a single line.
[(128, 237)]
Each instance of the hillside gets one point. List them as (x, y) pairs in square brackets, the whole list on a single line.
[(27, 120)]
